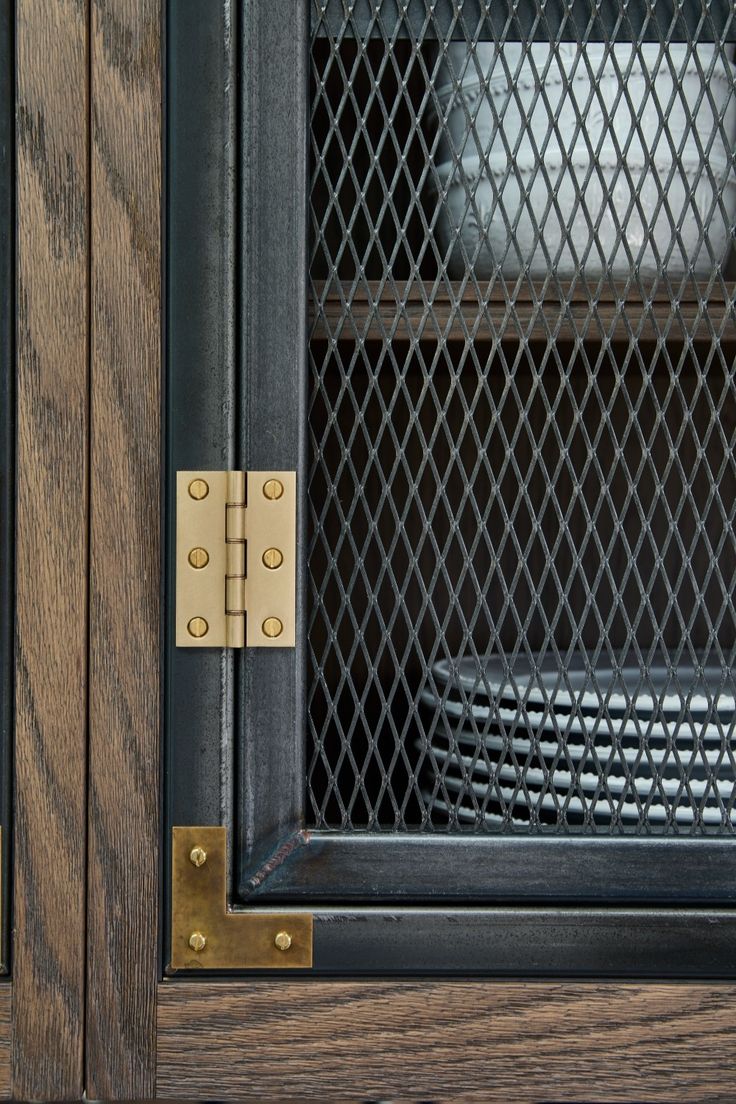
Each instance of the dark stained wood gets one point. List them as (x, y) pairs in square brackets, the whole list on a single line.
[(51, 550), (6, 1012), (446, 1040), (125, 548), (401, 312)]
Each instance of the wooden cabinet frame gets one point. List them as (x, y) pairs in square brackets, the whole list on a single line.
[(88, 719), (42, 1005)]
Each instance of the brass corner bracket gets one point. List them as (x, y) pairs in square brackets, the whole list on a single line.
[(205, 935)]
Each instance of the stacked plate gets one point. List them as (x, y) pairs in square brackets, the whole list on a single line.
[(581, 745), (600, 159)]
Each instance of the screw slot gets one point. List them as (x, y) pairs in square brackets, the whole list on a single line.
[(198, 489), (199, 557), (282, 940), (197, 941), (272, 558), (273, 488), (197, 627), (272, 627)]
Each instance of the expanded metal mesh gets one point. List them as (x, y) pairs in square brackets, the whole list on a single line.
[(522, 420)]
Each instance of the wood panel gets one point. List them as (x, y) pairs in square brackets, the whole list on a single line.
[(125, 547), (51, 549), (446, 1040)]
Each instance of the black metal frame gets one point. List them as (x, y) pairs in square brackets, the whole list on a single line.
[(236, 350), (7, 450)]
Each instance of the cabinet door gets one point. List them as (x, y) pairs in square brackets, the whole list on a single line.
[(465, 268)]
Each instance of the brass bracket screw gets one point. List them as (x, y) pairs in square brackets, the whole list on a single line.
[(283, 941)]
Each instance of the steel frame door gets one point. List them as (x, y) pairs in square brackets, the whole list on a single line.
[(236, 318)]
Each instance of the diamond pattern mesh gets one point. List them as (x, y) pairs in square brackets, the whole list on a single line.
[(522, 418)]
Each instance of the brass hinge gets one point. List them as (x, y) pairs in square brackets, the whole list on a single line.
[(235, 559), (205, 935)]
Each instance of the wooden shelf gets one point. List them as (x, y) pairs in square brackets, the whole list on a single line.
[(401, 313)]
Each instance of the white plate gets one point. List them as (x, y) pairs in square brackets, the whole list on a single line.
[(469, 816), (504, 104), (635, 730), (576, 748), (618, 693), (654, 813), (562, 780), (564, 215)]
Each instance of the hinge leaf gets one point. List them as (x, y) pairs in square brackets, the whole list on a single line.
[(236, 559)]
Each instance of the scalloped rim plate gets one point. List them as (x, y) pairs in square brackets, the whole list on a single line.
[(562, 780), (627, 810), (553, 690), (567, 724)]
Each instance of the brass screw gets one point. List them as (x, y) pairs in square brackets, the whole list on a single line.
[(198, 856), (272, 627), (272, 558), (198, 489), (197, 942), (199, 557), (283, 940), (197, 627), (273, 488)]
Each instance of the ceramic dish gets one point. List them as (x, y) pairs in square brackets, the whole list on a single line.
[(466, 814), (563, 781), (437, 804), (615, 99), (600, 730), (631, 694), (577, 744), (570, 215), (654, 812)]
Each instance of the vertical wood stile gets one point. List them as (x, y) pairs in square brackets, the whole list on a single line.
[(125, 547), (51, 549)]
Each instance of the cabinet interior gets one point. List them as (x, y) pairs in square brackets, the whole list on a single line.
[(531, 469)]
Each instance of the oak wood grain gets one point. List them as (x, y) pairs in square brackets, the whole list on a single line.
[(125, 548), (51, 549), (6, 1022), (447, 1040)]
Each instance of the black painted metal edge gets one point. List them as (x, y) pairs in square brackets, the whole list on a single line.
[(7, 453), (530, 943), (519, 943), (373, 868), (271, 686), (199, 321), (517, 20)]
